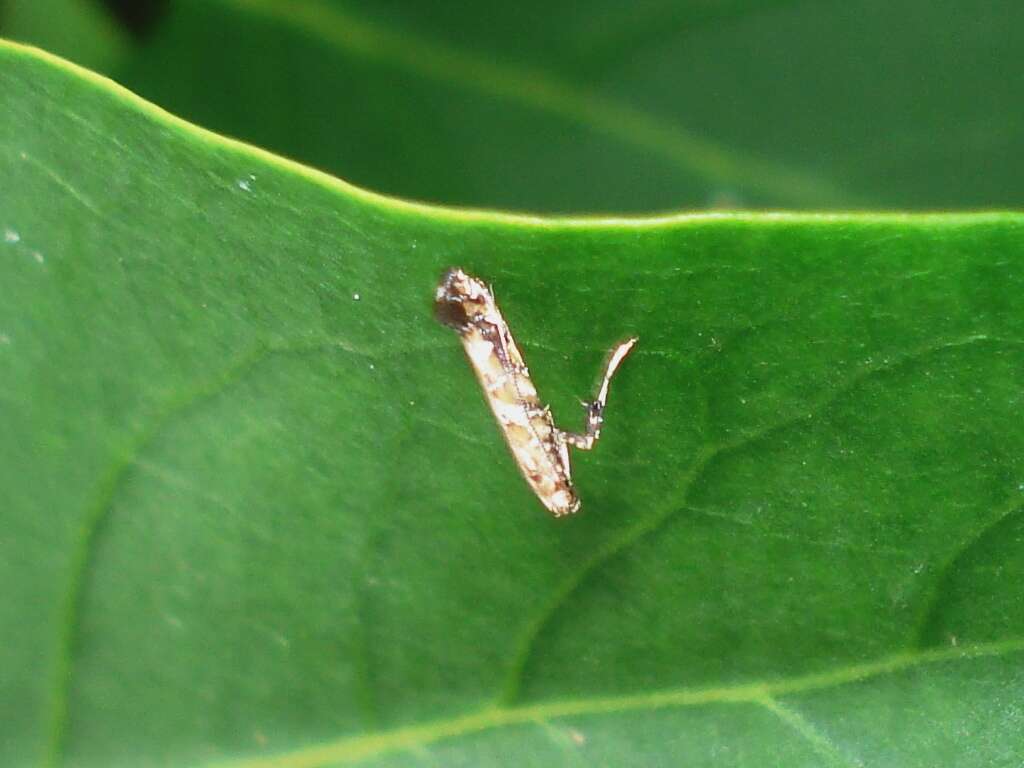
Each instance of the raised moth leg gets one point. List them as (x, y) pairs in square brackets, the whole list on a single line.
[(595, 408)]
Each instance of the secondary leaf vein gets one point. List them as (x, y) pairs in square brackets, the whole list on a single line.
[(356, 748), (98, 511), (806, 730), (680, 500)]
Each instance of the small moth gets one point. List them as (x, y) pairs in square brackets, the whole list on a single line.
[(541, 450)]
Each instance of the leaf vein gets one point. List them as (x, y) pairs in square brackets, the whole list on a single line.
[(818, 741), (680, 500), (353, 749), (98, 511), (934, 599)]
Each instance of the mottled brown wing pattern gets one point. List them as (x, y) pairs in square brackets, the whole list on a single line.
[(541, 450)]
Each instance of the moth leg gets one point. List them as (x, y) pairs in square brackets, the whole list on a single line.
[(595, 408)]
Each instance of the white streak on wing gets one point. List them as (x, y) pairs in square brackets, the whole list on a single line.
[(540, 452), (512, 413), (480, 352), (525, 387)]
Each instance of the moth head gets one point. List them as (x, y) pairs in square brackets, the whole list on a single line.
[(459, 298)]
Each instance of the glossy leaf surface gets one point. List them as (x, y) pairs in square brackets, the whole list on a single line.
[(256, 510)]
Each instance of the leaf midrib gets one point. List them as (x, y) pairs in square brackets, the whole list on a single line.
[(355, 748)]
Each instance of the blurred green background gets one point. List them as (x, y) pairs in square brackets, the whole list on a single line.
[(604, 106)]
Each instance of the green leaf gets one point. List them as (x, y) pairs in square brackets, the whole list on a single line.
[(255, 508), (539, 105)]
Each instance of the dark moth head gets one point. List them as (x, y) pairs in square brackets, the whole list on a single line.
[(450, 300)]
